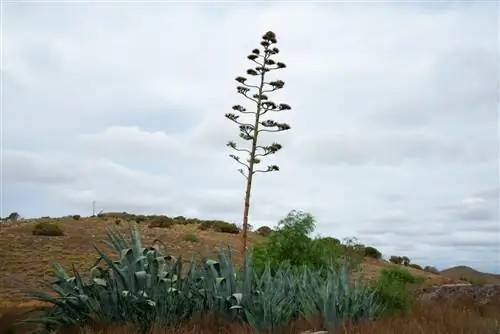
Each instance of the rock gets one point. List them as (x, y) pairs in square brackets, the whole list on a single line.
[(482, 294)]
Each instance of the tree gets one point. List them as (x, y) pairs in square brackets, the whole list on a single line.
[(372, 252), (406, 260), (396, 259), (249, 132), (14, 216)]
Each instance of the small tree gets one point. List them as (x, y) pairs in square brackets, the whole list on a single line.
[(406, 260), (250, 131), (396, 259)]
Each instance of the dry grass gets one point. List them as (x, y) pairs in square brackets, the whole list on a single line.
[(425, 318), (27, 259)]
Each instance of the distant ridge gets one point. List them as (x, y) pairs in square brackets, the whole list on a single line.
[(465, 273)]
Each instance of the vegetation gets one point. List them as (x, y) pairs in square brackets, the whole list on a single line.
[(47, 229), (373, 252), (264, 231), (392, 290), (287, 282), (219, 226), (263, 57), (146, 287), (191, 237)]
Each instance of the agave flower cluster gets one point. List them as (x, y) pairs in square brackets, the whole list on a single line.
[(148, 287)]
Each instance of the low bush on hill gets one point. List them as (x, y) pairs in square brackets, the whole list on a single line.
[(47, 229)]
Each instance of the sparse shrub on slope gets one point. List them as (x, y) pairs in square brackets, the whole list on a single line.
[(191, 238), (372, 252), (161, 221), (219, 226), (264, 231), (47, 229), (76, 217)]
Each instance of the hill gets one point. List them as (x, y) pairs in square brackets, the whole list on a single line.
[(27, 259), (468, 274)]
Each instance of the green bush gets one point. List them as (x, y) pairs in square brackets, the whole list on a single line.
[(373, 252), (47, 229), (76, 217), (190, 237), (219, 226), (264, 231), (291, 245), (392, 290)]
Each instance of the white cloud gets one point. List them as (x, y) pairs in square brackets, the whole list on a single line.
[(394, 118)]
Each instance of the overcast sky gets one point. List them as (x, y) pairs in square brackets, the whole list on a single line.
[(394, 118)]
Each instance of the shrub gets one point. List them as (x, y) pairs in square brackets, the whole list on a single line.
[(205, 225), (290, 244), (161, 221), (223, 227), (190, 237), (392, 291), (118, 221), (47, 229), (140, 218), (264, 231), (76, 217), (101, 215), (373, 252), (219, 226), (396, 259), (406, 261)]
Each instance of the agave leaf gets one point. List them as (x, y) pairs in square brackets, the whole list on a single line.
[(122, 279)]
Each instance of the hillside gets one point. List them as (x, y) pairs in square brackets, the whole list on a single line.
[(27, 259), (464, 273)]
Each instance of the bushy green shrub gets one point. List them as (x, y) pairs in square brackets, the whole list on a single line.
[(373, 252), (264, 231), (290, 244), (190, 237), (393, 291), (146, 287), (76, 217), (47, 229)]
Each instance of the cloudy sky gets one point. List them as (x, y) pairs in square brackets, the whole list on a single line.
[(394, 118)]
